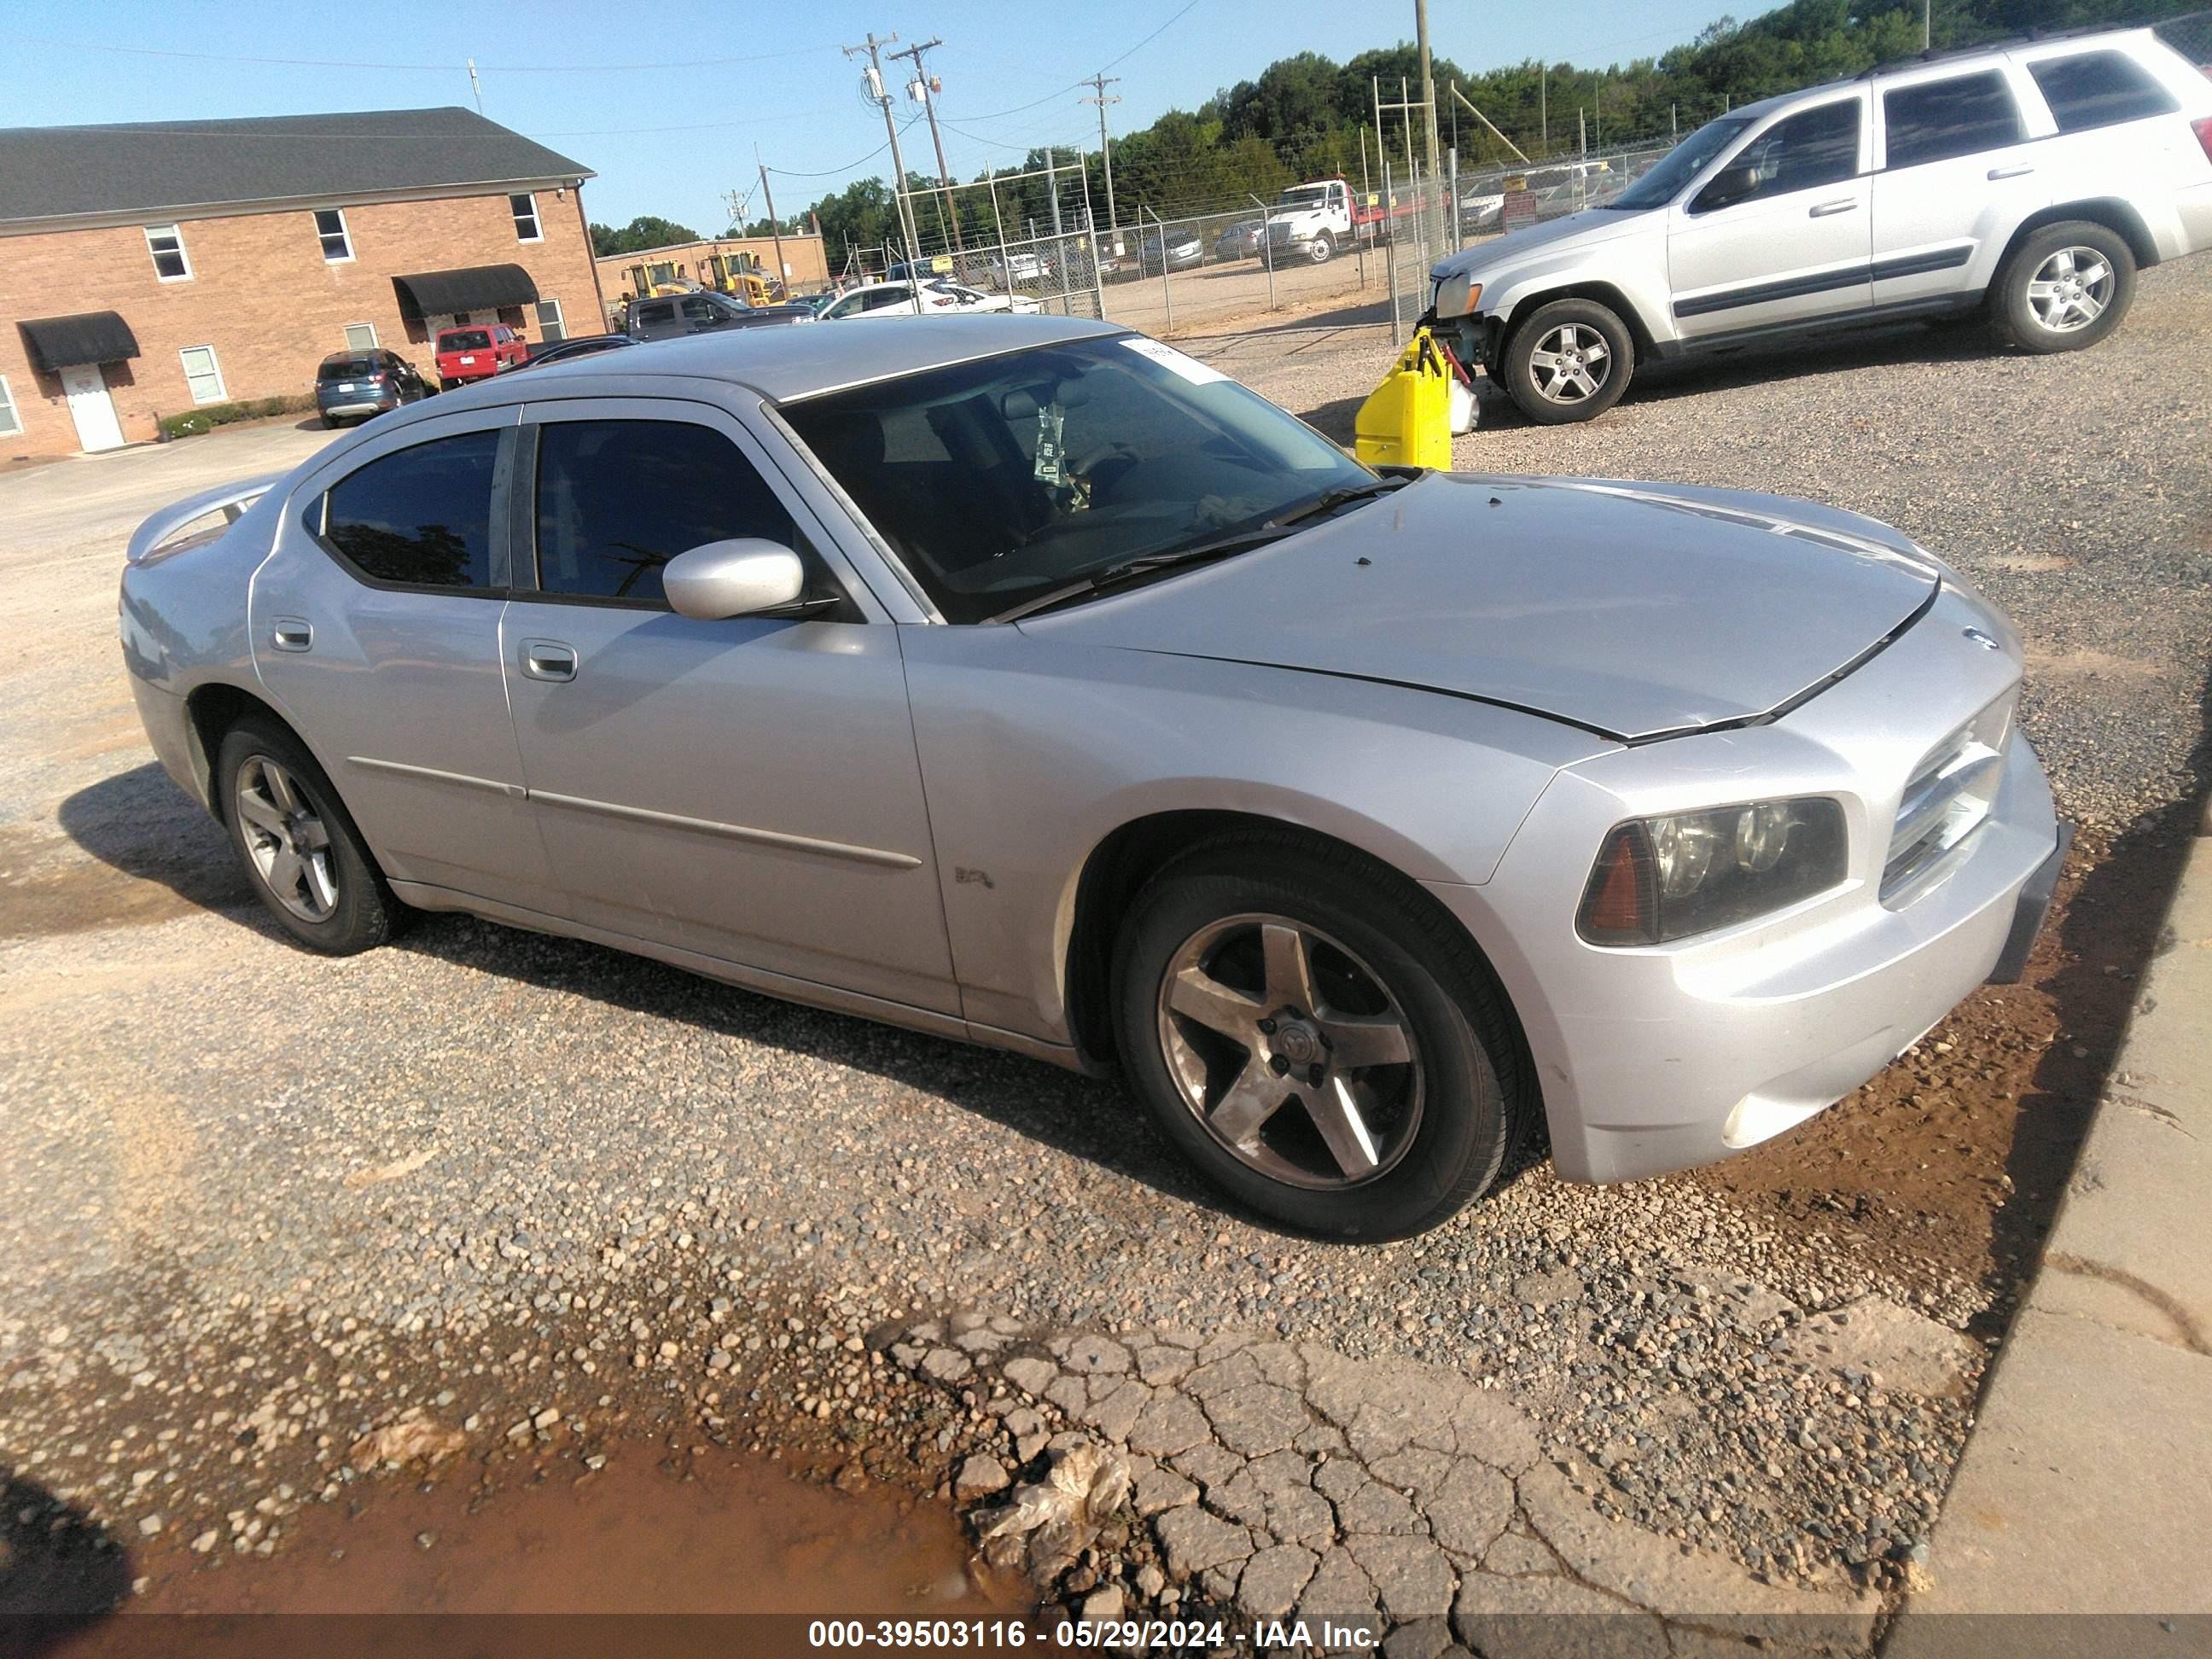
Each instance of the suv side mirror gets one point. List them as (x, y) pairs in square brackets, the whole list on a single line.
[(741, 577), (1727, 187)]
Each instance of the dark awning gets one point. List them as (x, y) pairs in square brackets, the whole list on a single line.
[(475, 287), (91, 337)]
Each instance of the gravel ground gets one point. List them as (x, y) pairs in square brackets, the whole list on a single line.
[(507, 1169)]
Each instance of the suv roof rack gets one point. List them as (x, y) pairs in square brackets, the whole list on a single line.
[(1994, 43)]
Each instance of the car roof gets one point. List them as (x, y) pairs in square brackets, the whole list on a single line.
[(795, 360), (1961, 56)]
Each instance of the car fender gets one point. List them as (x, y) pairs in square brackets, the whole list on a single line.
[(1035, 752)]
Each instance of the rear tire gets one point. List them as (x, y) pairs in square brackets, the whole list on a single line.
[(1569, 361), (302, 855), (1343, 1147), (2065, 288)]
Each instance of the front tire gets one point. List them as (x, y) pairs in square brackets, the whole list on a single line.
[(1321, 249), (1319, 1041), (2065, 288), (302, 855), (1569, 361)]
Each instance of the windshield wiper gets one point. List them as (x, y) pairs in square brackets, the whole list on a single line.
[(1221, 547)]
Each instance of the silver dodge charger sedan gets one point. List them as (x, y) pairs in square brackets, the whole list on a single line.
[(1025, 681)]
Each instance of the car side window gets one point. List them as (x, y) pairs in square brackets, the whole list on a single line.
[(663, 311), (1812, 148), (617, 500), (420, 517), (895, 293), (1935, 120), (699, 310), (2099, 89)]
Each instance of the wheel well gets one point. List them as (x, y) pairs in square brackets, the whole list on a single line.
[(1119, 866), (209, 711), (1604, 293), (2115, 215)]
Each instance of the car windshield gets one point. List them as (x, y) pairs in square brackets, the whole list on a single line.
[(1679, 166), (349, 368), (1310, 197), (999, 480), (466, 339)]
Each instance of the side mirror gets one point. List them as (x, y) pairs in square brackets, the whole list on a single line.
[(738, 578), (1727, 187)]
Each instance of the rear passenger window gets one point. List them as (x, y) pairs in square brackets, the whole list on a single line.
[(1938, 119), (617, 500), (2099, 89), (664, 312), (419, 517)]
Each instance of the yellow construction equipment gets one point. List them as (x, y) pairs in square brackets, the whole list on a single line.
[(1407, 420), (735, 274), (651, 280)]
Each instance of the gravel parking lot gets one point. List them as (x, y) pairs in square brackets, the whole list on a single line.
[(487, 1173)]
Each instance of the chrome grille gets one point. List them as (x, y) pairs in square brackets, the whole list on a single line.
[(1949, 797)]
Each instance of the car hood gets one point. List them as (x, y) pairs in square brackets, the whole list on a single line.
[(1633, 611), (1591, 225)]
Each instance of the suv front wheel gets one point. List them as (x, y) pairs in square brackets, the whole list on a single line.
[(1568, 360), (2065, 288)]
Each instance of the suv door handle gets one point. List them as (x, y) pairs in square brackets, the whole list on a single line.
[(549, 659), (290, 634), (2019, 169), (1824, 210)]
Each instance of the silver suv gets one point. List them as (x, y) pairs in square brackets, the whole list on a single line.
[(2026, 182)]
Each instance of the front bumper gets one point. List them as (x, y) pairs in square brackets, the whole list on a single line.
[(1656, 1059)]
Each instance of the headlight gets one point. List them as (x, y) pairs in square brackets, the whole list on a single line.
[(1457, 297), (1658, 879)]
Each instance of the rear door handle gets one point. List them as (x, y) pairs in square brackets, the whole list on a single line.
[(1824, 210), (549, 659), (290, 634), (2017, 171)]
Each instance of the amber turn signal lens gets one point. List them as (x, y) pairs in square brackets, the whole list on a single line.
[(1618, 907)]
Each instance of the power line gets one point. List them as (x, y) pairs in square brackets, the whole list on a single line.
[(341, 63)]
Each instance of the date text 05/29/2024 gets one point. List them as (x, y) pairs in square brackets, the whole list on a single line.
[(1123, 1634)]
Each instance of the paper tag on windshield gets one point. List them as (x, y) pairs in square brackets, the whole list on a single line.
[(1167, 357), (1051, 459)]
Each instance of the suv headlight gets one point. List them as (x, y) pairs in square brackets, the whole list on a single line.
[(1664, 879)]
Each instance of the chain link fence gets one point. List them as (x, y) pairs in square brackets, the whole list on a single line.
[(1027, 236)]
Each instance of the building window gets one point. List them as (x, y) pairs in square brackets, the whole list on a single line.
[(360, 337), (202, 374), (551, 325), (11, 421), (167, 247), (331, 227), (526, 218)]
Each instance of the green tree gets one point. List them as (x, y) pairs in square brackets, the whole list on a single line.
[(641, 232)]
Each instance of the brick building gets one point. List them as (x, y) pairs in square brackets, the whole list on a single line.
[(149, 268)]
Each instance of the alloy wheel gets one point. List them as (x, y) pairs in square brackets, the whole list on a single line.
[(2071, 289), (287, 839), (1571, 363), (1291, 1051)]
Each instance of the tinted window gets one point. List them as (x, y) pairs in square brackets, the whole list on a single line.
[(420, 516), (1938, 119), (700, 309), (1681, 164), (617, 500), (1818, 146), (467, 339), (2099, 89), (349, 368)]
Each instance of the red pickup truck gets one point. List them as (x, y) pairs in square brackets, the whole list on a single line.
[(476, 352)]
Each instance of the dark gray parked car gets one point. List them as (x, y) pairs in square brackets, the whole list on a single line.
[(704, 313)]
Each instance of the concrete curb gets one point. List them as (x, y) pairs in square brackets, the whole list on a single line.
[(2087, 1487)]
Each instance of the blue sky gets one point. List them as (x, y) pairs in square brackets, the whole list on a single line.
[(667, 101)]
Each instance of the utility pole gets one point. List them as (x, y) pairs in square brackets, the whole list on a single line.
[(1544, 110), (782, 271), (1927, 29), (921, 80), (1428, 93), (475, 86), (874, 75), (1098, 83)]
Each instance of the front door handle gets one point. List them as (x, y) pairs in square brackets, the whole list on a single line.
[(549, 659), (2018, 170), (1825, 209), (291, 634)]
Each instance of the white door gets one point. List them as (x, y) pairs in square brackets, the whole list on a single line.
[(91, 408), (1960, 171)]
